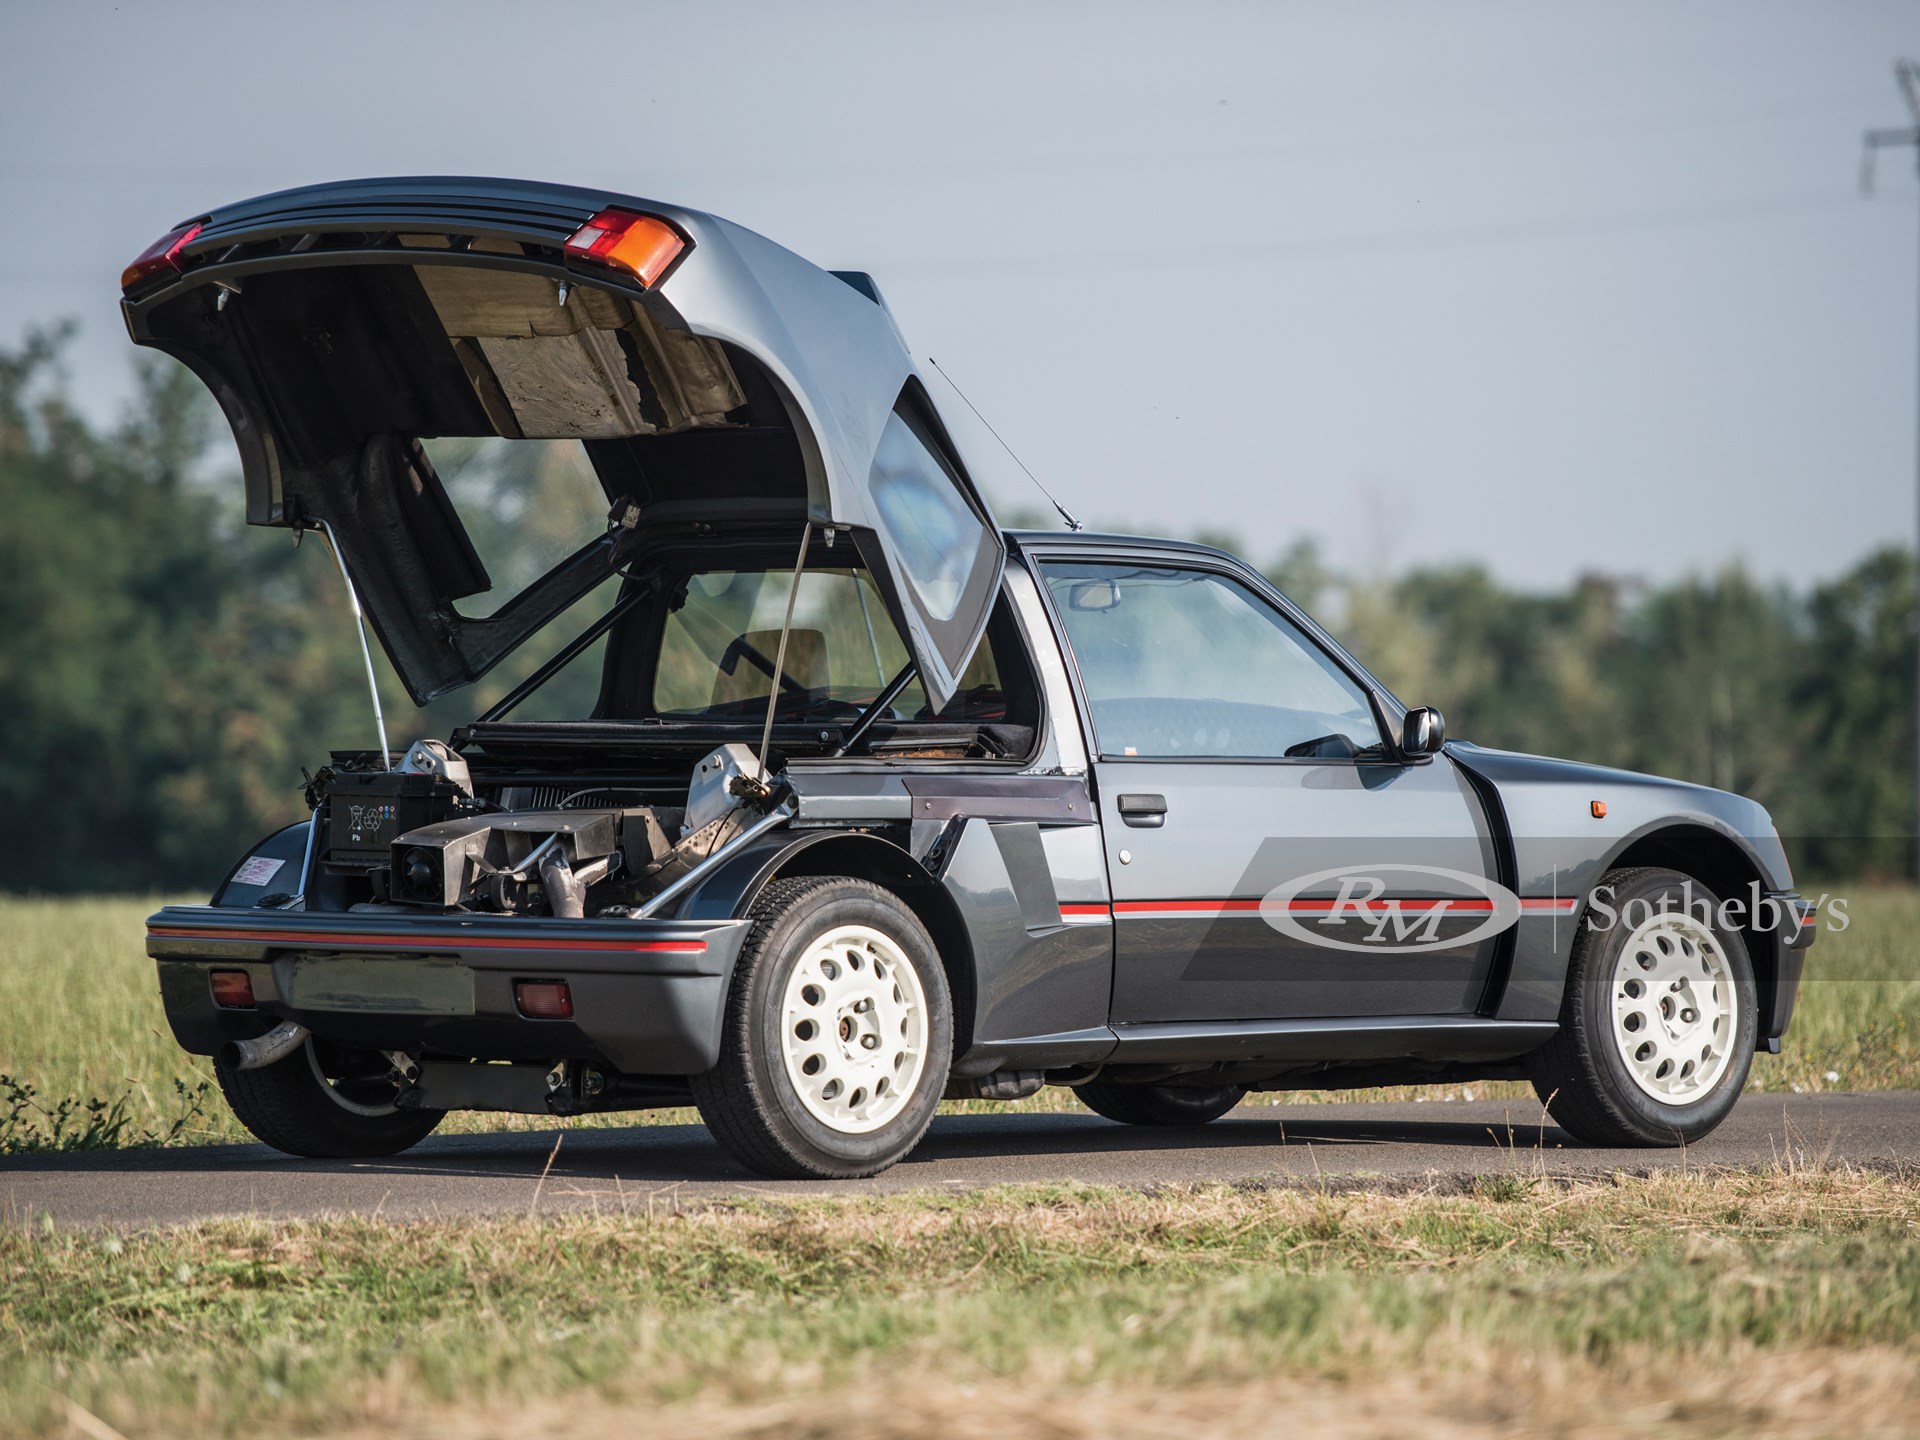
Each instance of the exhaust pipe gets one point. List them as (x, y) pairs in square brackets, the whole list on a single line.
[(278, 1043)]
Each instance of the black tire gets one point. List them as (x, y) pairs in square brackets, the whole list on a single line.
[(1582, 1075), (749, 1100), (290, 1106), (1160, 1104)]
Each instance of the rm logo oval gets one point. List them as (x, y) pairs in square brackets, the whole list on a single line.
[(1370, 912)]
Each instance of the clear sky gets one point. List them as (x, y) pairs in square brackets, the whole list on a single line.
[(1553, 287)]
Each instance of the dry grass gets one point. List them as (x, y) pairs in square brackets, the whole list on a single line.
[(1863, 1395), (1702, 1304)]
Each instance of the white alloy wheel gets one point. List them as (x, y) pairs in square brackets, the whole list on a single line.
[(1675, 1007), (854, 1029)]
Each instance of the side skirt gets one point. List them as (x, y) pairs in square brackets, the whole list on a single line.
[(1340, 1038)]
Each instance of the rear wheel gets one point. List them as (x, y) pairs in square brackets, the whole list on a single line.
[(324, 1103), (1160, 1104), (837, 1035), (1658, 1023)]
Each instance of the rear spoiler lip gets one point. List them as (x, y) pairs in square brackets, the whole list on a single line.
[(135, 306), (542, 212), (544, 231), (526, 211)]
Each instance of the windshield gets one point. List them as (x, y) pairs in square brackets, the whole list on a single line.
[(719, 648)]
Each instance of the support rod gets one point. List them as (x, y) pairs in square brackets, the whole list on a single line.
[(366, 651), (780, 655), (881, 703)]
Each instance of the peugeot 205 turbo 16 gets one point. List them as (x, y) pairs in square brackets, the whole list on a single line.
[(864, 801)]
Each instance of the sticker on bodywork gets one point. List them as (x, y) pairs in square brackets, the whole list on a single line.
[(257, 870)]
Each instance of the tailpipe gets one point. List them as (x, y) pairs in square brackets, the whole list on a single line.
[(278, 1043)]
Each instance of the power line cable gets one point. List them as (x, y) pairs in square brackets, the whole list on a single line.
[(1376, 242)]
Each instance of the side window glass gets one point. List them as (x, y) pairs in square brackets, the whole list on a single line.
[(1188, 663)]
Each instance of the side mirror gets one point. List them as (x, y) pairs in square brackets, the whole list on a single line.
[(1425, 731)]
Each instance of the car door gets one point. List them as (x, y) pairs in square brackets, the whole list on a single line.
[(1270, 856)]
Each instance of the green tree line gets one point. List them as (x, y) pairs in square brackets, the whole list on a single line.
[(166, 671)]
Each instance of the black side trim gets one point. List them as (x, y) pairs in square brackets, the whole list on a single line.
[(1422, 1037), (1507, 867)]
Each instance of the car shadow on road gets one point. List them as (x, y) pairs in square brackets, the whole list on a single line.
[(969, 1137), (654, 1155)]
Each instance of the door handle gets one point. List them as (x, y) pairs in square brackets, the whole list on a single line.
[(1142, 811)]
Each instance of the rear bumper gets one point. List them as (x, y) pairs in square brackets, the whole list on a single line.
[(647, 995)]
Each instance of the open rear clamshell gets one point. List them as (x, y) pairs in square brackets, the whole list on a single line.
[(703, 373)]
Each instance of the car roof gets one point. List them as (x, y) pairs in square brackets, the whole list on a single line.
[(1102, 540)]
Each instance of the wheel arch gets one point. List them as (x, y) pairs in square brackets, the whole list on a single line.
[(862, 856), (1724, 867)]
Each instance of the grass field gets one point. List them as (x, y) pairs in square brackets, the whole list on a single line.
[(80, 1020), (1706, 1304)]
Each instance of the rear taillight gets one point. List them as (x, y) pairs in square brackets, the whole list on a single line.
[(163, 254), (544, 999), (639, 244), (232, 989)]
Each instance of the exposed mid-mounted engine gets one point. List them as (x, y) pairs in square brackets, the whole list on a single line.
[(423, 837)]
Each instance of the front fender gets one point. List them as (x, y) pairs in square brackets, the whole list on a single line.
[(1571, 823), (1563, 846)]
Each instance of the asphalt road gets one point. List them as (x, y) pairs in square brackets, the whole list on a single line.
[(653, 1166)]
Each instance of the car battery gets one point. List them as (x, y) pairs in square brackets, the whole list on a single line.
[(367, 812)]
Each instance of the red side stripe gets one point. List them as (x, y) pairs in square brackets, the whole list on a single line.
[(1128, 907), (1461, 905)]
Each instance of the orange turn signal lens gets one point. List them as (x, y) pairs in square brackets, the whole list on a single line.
[(639, 244), (1599, 809)]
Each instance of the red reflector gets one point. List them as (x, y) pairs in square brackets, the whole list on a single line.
[(163, 254), (639, 244), (232, 989), (544, 999)]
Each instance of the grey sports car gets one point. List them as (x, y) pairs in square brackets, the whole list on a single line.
[(829, 797)]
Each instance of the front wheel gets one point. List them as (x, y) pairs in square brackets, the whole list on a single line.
[(1657, 1026), (324, 1103), (837, 1034), (1160, 1104)]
